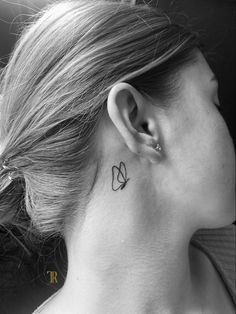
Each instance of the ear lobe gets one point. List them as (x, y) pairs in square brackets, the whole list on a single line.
[(126, 108)]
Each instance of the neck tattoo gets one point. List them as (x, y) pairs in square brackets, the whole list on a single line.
[(119, 177)]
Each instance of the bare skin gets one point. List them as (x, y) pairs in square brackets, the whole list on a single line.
[(132, 252)]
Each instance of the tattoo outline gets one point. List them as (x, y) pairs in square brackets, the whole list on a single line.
[(121, 175)]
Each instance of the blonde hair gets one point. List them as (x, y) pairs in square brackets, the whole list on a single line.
[(54, 91)]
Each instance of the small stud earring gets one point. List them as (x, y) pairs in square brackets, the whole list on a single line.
[(158, 147)]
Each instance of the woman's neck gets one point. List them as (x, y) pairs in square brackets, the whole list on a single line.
[(131, 255), (140, 280), (160, 283)]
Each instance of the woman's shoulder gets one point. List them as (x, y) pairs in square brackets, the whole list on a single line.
[(219, 246)]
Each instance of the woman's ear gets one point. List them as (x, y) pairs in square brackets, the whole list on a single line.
[(134, 118)]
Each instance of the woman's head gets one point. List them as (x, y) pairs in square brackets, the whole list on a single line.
[(54, 91)]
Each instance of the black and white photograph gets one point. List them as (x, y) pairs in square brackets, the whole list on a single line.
[(117, 157)]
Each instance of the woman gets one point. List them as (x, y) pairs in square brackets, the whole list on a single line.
[(111, 136)]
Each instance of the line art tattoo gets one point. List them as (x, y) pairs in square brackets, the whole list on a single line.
[(119, 177)]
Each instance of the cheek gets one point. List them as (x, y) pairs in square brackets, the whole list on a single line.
[(225, 160), (203, 169), (219, 180), (213, 155), (222, 154), (215, 170)]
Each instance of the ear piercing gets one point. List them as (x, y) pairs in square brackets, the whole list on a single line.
[(158, 147)]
